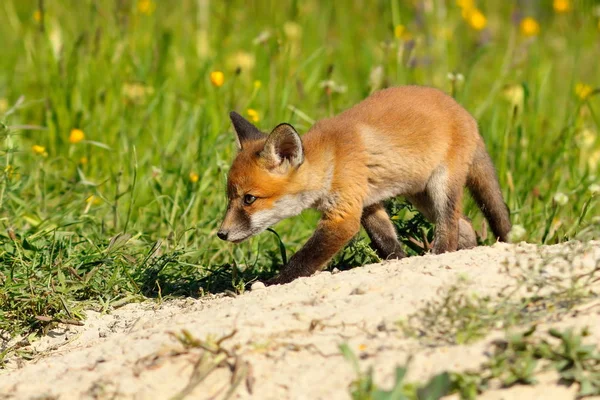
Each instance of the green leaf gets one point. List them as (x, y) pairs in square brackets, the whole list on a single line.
[(350, 356), (437, 387), (281, 246)]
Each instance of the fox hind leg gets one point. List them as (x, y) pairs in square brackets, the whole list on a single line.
[(381, 231), (467, 238), (442, 206)]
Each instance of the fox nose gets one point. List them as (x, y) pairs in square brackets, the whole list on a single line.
[(222, 235)]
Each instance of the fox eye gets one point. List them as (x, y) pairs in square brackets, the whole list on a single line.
[(249, 199)]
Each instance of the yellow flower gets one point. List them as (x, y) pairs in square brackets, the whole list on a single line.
[(583, 90), (362, 347), (530, 27), (39, 150), (561, 6), (257, 84), (145, 6), (76, 136), (37, 16), (476, 19), (399, 31), (253, 114), (83, 161), (194, 177), (465, 4), (217, 78)]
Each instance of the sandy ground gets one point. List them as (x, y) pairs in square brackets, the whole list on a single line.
[(286, 341)]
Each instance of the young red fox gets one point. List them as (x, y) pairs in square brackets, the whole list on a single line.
[(409, 141)]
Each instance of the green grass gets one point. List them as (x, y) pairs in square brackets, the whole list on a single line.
[(512, 361), (119, 215)]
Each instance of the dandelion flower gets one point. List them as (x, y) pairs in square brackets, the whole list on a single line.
[(257, 84), (145, 7), (76, 136), (37, 16), (39, 150), (83, 161), (560, 198), (253, 114), (530, 27), (194, 177), (561, 6), (583, 90), (476, 19), (217, 78)]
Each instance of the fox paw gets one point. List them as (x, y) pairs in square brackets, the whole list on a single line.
[(274, 281), (280, 279)]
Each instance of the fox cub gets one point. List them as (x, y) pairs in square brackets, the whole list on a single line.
[(409, 141)]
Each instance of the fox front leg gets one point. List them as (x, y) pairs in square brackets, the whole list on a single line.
[(331, 236)]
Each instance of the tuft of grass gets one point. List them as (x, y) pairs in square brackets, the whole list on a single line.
[(356, 253), (364, 388), (459, 317), (214, 355), (414, 231), (513, 361)]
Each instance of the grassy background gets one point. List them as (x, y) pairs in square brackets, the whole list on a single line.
[(132, 209)]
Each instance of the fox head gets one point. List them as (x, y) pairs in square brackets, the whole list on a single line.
[(260, 185)]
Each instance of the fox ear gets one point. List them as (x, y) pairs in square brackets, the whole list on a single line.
[(244, 130), (283, 148)]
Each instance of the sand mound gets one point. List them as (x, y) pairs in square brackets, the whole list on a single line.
[(284, 340)]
